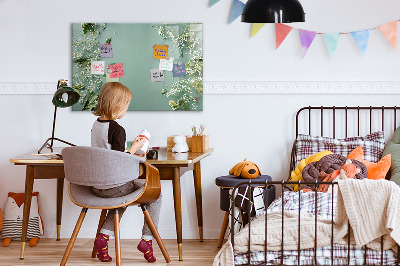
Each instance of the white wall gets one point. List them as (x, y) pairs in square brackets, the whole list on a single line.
[(36, 47)]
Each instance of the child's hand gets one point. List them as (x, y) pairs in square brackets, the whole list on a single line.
[(137, 144), (142, 155)]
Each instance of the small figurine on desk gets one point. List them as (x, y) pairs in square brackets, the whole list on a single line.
[(180, 144)]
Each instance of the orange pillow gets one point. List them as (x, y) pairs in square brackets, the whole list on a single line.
[(375, 170)]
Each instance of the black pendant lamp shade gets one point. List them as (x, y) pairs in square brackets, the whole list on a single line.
[(273, 11)]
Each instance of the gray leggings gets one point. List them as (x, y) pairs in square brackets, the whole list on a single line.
[(154, 208)]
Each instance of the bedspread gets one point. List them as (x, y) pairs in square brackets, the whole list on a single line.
[(371, 206)]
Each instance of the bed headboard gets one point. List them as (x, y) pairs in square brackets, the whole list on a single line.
[(344, 121)]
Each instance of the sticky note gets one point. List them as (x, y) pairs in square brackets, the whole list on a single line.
[(166, 64), (106, 50), (179, 70), (109, 79), (116, 70), (97, 67), (160, 51), (156, 75)]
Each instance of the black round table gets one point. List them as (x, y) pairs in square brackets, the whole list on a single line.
[(228, 182)]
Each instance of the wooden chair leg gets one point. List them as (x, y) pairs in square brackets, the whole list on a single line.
[(223, 229), (101, 222), (73, 237), (117, 238), (154, 230)]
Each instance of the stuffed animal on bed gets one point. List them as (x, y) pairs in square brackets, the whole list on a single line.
[(13, 215), (245, 169)]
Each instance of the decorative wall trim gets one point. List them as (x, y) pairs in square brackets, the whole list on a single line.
[(303, 87), (28, 88), (250, 87)]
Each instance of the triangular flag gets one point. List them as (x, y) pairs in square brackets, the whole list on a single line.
[(213, 2), (361, 37), (256, 28), (390, 32), (281, 31), (237, 9), (306, 39), (332, 41)]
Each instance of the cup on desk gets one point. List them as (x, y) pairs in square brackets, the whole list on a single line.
[(152, 155)]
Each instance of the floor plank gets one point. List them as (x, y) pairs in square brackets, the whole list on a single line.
[(49, 252)]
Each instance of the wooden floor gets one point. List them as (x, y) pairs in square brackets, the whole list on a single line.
[(50, 252)]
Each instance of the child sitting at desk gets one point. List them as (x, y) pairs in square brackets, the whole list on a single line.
[(106, 133)]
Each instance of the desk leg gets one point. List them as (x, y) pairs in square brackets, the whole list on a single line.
[(60, 190), (199, 204), (176, 182), (27, 206)]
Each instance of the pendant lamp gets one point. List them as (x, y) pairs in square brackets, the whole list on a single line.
[(273, 11), (63, 97)]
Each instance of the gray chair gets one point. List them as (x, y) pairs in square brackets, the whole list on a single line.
[(85, 167)]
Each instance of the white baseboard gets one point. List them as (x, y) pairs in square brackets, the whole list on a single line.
[(246, 87)]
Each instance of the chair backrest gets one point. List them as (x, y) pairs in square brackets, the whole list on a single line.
[(92, 166)]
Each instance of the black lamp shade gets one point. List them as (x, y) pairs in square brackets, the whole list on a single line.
[(65, 96), (273, 11)]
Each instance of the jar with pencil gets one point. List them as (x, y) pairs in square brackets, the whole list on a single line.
[(199, 140)]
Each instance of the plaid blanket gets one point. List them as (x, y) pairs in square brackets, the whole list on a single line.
[(323, 205)]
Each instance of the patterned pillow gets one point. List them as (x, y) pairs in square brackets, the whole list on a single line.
[(372, 145)]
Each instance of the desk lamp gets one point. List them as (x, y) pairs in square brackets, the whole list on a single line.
[(273, 11), (64, 97)]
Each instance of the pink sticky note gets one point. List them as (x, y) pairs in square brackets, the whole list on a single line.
[(116, 70)]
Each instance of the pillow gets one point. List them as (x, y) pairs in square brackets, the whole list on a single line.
[(393, 148), (375, 170), (296, 174), (372, 144)]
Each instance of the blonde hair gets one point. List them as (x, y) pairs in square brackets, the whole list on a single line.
[(114, 96)]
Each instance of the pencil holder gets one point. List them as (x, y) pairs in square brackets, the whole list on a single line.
[(200, 143)]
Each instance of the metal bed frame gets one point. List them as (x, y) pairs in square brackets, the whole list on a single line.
[(284, 184)]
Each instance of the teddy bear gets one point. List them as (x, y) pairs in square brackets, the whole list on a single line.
[(245, 169), (13, 215), (180, 144)]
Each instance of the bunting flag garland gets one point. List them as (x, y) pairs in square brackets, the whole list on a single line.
[(361, 37), (237, 9), (306, 39), (389, 30), (281, 31), (256, 28), (332, 41), (213, 2)]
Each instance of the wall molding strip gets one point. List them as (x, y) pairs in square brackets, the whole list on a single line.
[(244, 87)]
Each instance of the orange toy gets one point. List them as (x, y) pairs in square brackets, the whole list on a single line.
[(245, 169), (375, 170), (12, 222)]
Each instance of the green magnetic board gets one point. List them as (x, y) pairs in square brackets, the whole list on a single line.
[(133, 46)]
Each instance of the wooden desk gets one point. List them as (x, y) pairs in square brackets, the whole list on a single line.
[(169, 165)]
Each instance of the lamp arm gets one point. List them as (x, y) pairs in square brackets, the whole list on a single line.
[(54, 126)]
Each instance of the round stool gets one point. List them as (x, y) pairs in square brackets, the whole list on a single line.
[(228, 182)]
